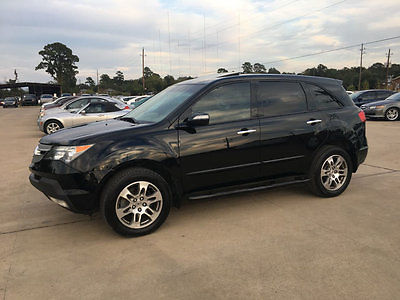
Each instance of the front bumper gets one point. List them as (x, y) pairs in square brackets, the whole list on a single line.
[(69, 191)]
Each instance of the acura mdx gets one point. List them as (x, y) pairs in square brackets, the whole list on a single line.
[(200, 138)]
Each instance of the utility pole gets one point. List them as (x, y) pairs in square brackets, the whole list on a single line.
[(387, 69), (362, 50), (97, 77), (143, 82)]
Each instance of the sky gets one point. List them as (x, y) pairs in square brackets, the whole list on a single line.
[(183, 37)]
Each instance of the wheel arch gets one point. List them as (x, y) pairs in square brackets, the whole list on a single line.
[(348, 147), (175, 187), (52, 119)]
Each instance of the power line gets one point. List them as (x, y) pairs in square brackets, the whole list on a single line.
[(329, 50)]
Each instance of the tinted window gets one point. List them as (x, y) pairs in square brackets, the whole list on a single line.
[(383, 94), (97, 107), (78, 104), (226, 103), (110, 107), (367, 96), (281, 98), (321, 99)]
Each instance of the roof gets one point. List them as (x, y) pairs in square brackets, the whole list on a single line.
[(224, 76), (25, 84)]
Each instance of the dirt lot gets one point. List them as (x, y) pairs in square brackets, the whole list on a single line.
[(282, 243)]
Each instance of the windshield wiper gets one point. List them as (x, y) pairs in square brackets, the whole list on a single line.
[(128, 119)]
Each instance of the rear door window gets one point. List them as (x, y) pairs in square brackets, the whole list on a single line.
[(321, 99), (280, 98)]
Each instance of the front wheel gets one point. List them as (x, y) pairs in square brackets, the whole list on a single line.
[(330, 172), (392, 114), (135, 201), (52, 126)]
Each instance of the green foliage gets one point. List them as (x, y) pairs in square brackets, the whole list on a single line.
[(273, 71), (259, 68), (222, 70), (247, 67), (59, 61)]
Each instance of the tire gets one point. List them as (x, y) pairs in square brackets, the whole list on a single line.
[(52, 126), (321, 183), (392, 114), (130, 215)]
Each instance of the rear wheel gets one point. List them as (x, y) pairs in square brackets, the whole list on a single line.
[(52, 126), (135, 202), (392, 114), (330, 172)]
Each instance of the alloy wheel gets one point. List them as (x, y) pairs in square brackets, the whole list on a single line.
[(334, 172), (139, 204), (52, 127), (392, 114)]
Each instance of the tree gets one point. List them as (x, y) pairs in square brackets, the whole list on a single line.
[(273, 71), (259, 68), (119, 77), (90, 82), (59, 61), (147, 72), (247, 67), (222, 70)]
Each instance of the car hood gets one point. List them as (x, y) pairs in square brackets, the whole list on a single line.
[(382, 102), (88, 133)]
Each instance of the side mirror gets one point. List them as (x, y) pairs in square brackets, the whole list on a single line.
[(198, 119), (83, 112)]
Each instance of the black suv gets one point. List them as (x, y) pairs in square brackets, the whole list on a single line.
[(367, 96), (201, 138)]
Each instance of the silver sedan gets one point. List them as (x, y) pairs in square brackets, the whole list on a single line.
[(81, 111), (388, 108)]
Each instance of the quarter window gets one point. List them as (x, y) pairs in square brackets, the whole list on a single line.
[(321, 99), (280, 98), (226, 103)]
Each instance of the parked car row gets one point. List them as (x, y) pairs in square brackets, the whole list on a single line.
[(71, 111)]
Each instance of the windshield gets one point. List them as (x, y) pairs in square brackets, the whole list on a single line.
[(394, 97), (46, 96), (355, 95), (161, 105), (10, 99)]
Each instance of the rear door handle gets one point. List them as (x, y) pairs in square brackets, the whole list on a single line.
[(312, 122), (245, 131)]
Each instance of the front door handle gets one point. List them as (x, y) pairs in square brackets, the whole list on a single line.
[(312, 122), (245, 131)]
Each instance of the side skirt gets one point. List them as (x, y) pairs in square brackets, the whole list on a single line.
[(241, 189)]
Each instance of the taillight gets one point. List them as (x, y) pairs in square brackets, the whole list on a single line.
[(362, 117), (127, 107)]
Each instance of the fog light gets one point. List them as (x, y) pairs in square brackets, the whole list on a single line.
[(59, 202)]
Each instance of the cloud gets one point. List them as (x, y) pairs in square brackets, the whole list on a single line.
[(198, 37)]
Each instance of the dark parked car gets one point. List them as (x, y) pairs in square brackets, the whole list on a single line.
[(66, 94), (368, 96), (10, 102), (29, 99), (202, 138), (388, 108)]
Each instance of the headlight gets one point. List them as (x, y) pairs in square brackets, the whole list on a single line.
[(372, 107), (42, 113), (67, 153)]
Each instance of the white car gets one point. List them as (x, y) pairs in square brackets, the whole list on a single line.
[(46, 98), (137, 98), (80, 111)]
